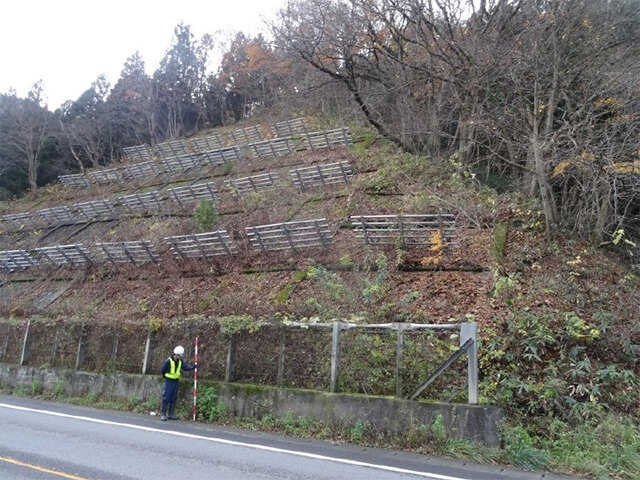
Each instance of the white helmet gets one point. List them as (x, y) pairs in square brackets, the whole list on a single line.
[(179, 350)]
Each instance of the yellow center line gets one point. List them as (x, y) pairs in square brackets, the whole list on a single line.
[(42, 469)]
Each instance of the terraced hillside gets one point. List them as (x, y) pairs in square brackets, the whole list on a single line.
[(156, 261), (239, 246)]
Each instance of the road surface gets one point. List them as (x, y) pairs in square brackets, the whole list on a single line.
[(45, 441)]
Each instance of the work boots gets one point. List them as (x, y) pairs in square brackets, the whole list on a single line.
[(164, 411), (172, 411)]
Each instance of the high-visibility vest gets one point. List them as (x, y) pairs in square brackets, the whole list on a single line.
[(174, 369)]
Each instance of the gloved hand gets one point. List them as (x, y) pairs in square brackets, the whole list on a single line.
[(195, 365)]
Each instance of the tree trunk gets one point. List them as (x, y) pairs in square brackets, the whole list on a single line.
[(544, 188), (32, 167)]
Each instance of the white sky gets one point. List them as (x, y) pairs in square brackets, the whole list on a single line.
[(68, 43)]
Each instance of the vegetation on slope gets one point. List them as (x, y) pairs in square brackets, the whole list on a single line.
[(522, 119), (557, 319)]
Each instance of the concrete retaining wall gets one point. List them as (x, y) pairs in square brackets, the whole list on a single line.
[(79, 384), (479, 423)]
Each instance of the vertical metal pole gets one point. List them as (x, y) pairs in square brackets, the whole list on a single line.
[(282, 337), (54, 348), (302, 186), (230, 373), (26, 345), (343, 171), (114, 350), (467, 331), (148, 348), (82, 343), (319, 172), (335, 356), (5, 344), (195, 381), (399, 359)]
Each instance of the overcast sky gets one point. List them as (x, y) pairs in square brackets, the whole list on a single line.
[(68, 43)]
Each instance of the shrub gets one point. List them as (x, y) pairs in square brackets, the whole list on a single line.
[(205, 215), (209, 409), (357, 431)]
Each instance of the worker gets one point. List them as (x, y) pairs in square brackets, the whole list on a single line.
[(170, 371)]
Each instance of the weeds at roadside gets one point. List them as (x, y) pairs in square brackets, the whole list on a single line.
[(209, 408)]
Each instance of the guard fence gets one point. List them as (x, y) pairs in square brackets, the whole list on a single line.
[(405, 360)]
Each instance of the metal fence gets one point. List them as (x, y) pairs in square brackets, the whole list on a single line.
[(401, 359)]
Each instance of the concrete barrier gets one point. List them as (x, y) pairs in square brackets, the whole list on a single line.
[(382, 414)]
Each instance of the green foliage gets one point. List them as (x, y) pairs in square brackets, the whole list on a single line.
[(209, 408), (541, 367), (299, 276), (331, 281), (423, 351), (268, 422), (154, 324), (58, 392), (498, 245), (368, 361), (577, 328), (284, 294), (619, 235), (382, 182), (357, 432), (367, 139), (604, 447), (438, 432), (205, 215), (504, 283), (36, 388), (616, 450), (333, 286), (148, 405), (520, 450), (290, 424), (346, 261), (374, 290), (234, 324)]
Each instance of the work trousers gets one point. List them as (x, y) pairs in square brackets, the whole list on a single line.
[(170, 391)]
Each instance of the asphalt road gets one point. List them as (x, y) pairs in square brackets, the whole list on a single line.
[(45, 440)]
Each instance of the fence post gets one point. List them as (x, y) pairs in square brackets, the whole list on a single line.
[(467, 331), (335, 356), (82, 347), (54, 348), (26, 345), (399, 359), (282, 337), (114, 350), (230, 372), (148, 350), (5, 344)]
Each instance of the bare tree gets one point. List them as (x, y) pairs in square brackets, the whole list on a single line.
[(517, 84)]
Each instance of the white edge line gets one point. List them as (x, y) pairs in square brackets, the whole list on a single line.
[(239, 444)]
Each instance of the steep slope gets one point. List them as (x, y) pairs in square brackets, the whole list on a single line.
[(558, 321)]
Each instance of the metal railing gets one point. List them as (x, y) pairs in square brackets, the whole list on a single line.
[(81, 341)]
